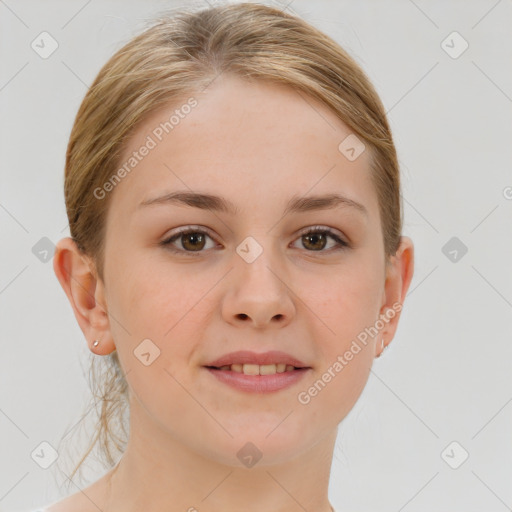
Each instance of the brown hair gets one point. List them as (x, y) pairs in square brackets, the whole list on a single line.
[(182, 52)]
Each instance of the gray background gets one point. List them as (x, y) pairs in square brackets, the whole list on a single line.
[(446, 376)]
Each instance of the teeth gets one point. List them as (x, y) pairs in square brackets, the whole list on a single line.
[(255, 369)]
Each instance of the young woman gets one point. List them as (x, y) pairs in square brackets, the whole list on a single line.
[(236, 256)]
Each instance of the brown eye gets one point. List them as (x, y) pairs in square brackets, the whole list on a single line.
[(316, 240), (192, 241)]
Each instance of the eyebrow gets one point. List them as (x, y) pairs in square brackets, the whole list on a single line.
[(296, 204)]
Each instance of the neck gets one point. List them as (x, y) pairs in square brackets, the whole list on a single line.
[(158, 472)]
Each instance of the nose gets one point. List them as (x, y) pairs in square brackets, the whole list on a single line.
[(259, 295)]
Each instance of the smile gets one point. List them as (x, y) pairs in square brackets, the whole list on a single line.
[(253, 379), (255, 369)]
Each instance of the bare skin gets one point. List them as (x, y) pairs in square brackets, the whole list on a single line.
[(256, 145)]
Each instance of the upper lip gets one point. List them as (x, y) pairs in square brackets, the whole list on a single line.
[(248, 357)]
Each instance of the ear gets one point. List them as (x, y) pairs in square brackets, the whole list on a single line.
[(399, 272), (77, 275)]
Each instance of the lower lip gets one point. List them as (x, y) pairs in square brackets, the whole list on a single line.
[(259, 383)]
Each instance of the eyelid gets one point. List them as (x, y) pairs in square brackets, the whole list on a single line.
[(307, 229), (321, 227), (188, 228)]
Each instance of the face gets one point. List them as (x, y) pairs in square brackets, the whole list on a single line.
[(255, 280)]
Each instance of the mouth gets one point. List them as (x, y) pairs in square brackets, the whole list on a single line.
[(258, 372), (253, 378), (256, 369)]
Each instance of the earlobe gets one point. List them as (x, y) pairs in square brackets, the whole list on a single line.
[(77, 276), (398, 278)]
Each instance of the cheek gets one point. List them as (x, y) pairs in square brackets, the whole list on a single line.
[(337, 386), (349, 300), (154, 337), (152, 303), (149, 296), (348, 381), (354, 309)]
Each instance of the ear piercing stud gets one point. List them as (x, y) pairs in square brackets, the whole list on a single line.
[(96, 343)]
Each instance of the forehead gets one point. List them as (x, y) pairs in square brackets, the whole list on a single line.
[(246, 141)]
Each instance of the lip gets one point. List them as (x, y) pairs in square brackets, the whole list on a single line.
[(248, 357), (259, 383)]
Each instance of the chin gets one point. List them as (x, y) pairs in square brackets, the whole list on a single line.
[(261, 445)]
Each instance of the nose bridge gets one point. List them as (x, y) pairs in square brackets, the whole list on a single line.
[(259, 287), (258, 264)]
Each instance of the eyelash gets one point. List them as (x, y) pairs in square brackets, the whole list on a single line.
[(341, 244)]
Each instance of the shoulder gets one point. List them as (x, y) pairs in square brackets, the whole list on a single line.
[(69, 504), (89, 499), (73, 503)]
